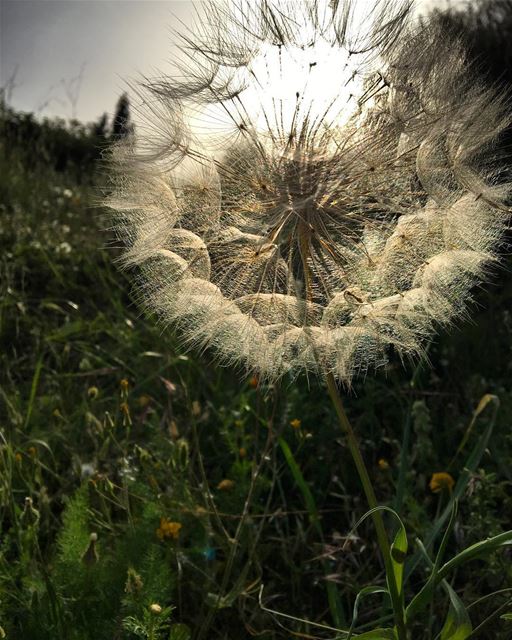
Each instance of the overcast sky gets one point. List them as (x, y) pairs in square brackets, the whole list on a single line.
[(73, 57)]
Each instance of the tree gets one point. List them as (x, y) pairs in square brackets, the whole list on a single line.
[(121, 124)]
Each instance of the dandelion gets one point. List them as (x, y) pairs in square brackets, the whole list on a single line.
[(30, 515), (295, 423), (441, 481), (314, 191), (90, 556), (316, 188), (383, 464)]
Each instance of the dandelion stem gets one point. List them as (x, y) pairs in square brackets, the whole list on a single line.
[(382, 536)]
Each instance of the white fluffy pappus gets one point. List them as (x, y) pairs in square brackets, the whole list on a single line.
[(316, 184)]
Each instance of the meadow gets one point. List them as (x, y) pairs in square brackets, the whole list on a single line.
[(147, 492)]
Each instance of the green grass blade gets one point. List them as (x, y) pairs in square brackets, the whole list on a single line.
[(335, 605), (33, 391)]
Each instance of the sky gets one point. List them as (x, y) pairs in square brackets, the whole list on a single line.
[(73, 58)]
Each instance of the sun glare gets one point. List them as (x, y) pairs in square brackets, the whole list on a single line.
[(284, 89)]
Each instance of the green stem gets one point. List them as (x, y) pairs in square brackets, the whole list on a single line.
[(382, 536)]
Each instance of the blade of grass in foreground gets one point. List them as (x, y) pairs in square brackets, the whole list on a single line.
[(335, 605), (460, 487)]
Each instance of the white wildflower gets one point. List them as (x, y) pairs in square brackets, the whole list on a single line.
[(63, 248)]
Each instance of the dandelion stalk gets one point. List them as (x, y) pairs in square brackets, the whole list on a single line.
[(382, 537)]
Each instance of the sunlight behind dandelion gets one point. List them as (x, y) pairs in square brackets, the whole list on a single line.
[(283, 89)]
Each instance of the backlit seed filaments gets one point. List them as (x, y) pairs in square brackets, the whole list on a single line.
[(314, 185)]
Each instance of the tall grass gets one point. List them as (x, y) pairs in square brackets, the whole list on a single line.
[(108, 428)]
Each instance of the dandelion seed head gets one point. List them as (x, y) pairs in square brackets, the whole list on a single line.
[(317, 186)]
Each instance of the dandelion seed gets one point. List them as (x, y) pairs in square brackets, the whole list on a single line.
[(90, 555), (30, 515), (317, 187), (87, 470)]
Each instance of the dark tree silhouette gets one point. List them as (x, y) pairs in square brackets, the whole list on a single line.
[(121, 124), (99, 128), (485, 27)]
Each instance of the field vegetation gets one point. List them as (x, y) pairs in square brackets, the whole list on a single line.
[(146, 492)]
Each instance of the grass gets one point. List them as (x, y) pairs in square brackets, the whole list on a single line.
[(134, 474)]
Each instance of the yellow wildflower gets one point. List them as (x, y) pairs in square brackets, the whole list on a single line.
[(124, 384), (383, 464), (295, 423), (93, 392), (168, 529), (144, 400), (441, 481), (155, 608), (32, 452), (225, 485), (174, 432)]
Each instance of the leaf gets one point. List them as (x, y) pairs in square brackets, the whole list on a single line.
[(471, 464), (424, 596), (476, 550), (506, 616), (218, 601), (457, 625), (33, 390), (398, 553), (301, 483), (366, 591), (333, 596), (484, 401), (378, 634), (179, 632)]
